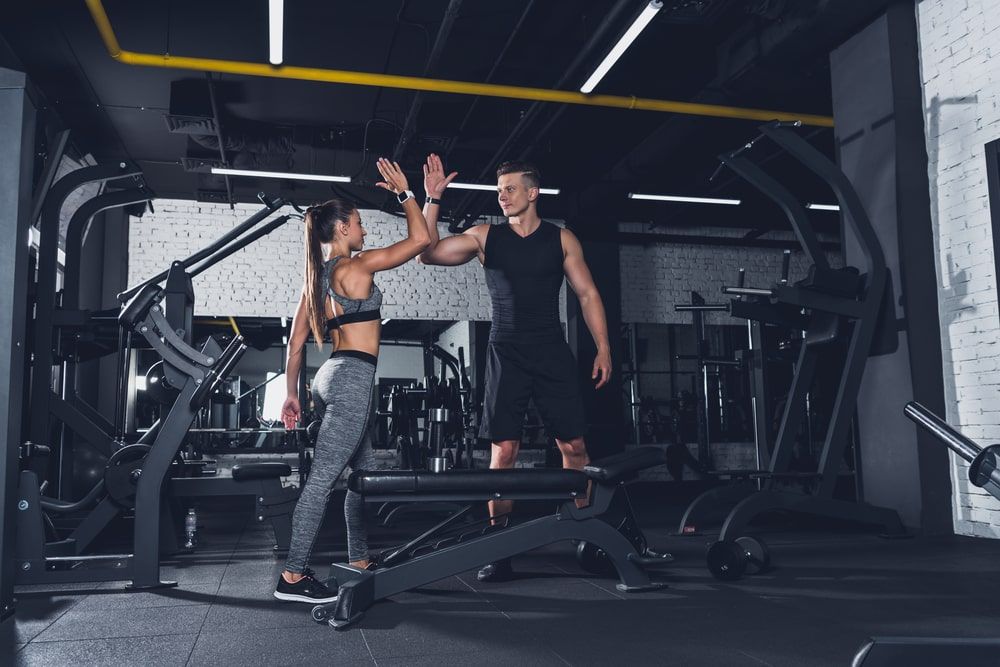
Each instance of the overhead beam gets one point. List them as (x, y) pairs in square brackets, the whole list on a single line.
[(218, 136), (169, 61), (473, 202), (489, 75), (410, 125)]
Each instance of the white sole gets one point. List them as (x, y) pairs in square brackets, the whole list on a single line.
[(289, 597)]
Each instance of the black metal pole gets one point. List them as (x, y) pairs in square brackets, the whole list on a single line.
[(17, 134)]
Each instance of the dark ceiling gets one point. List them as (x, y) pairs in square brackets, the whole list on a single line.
[(770, 54)]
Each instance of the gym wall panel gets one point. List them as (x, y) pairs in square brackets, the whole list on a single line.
[(879, 137), (961, 86)]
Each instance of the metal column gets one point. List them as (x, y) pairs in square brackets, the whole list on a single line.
[(17, 129)]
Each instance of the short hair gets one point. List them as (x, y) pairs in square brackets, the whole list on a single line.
[(526, 169)]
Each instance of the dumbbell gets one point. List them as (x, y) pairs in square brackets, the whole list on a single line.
[(729, 560)]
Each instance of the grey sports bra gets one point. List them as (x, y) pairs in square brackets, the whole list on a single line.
[(355, 310)]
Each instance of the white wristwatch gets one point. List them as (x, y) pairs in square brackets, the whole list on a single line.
[(404, 195)]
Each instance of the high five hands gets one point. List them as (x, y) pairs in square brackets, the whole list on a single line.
[(395, 180), (434, 179)]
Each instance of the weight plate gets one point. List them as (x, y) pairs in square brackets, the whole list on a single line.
[(727, 561), (119, 481), (157, 386), (757, 555)]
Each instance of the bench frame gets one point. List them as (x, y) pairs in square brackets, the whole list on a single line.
[(596, 524)]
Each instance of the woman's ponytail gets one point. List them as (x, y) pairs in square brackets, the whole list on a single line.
[(314, 277), (320, 223)]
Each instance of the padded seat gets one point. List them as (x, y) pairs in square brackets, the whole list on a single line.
[(620, 466), (517, 480), (135, 310), (261, 470), (611, 470)]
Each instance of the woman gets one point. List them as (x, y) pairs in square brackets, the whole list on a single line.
[(340, 297)]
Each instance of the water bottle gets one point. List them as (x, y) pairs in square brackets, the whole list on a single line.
[(190, 529)]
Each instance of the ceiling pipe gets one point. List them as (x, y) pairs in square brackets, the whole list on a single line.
[(432, 85), (489, 76), (410, 125), (461, 216), (218, 136)]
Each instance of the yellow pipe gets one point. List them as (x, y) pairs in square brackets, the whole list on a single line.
[(232, 323), (431, 85)]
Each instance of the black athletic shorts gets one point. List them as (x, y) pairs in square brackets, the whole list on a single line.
[(545, 372)]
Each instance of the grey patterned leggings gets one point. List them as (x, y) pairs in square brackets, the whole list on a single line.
[(342, 392)]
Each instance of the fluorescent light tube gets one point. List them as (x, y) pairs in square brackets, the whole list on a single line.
[(493, 188), (823, 207), (686, 200), (276, 30), (225, 171), (626, 40)]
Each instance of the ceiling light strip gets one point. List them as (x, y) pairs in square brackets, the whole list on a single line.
[(686, 200), (225, 171), (493, 188), (621, 47)]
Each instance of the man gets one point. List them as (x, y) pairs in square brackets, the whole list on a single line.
[(525, 262)]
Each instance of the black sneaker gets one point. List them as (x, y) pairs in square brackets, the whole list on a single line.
[(306, 589), (498, 571)]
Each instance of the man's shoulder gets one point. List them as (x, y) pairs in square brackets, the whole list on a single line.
[(479, 231)]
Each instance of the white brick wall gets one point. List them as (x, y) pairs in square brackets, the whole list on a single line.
[(264, 279), (962, 104)]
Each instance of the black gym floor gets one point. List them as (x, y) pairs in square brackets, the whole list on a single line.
[(828, 591)]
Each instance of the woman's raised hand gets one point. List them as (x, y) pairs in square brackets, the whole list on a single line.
[(395, 179)]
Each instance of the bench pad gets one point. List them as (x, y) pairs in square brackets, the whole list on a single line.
[(517, 480)]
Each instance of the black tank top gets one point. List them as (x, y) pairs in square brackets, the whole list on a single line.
[(524, 276)]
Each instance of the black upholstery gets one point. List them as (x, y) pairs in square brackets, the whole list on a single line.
[(518, 480), (261, 470), (619, 466), (611, 469), (139, 305)]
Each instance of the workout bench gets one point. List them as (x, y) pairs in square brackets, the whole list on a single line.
[(430, 558)]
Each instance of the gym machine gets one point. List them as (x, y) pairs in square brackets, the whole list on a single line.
[(984, 462), (831, 307), (447, 408), (64, 336), (984, 474), (260, 480), (135, 474), (756, 361)]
